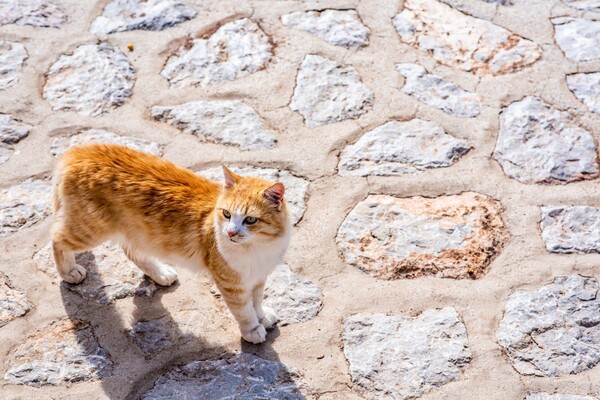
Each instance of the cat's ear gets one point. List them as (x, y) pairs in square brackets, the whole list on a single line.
[(231, 179), (274, 194)]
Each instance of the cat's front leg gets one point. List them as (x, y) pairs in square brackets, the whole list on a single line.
[(240, 303), (266, 315)]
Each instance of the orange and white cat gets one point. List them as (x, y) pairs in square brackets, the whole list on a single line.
[(239, 230)]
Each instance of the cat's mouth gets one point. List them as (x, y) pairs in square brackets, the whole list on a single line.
[(236, 239)]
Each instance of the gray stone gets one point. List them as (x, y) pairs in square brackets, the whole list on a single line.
[(591, 5), (13, 303), (93, 80), (295, 188), (578, 38), (237, 49), (12, 131), (539, 144), (151, 15), (40, 13), (397, 148), (63, 352), (571, 229), (327, 92), (60, 144), (110, 275), (448, 236), (554, 330), (586, 87), (12, 57), (337, 27), (405, 357), (24, 205), (438, 92), (459, 40), (557, 396), (230, 122), (243, 377), (293, 297)]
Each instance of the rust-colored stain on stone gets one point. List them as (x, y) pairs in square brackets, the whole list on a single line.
[(449, 236)]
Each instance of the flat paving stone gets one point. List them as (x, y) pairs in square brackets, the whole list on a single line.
[(404, 357), (110, 275), (462, 41), (342, 28), (152, 336), (327, 92), (40, 13), (12, 131), (230, 122), (63, 352), (557, 396), (586, 87), (554, 330), (13, 303), (590, 5), (397, 148), (62, 143), (448, 236), (12, 57), (23, 205), (578, 38), (237, 49), (241, 377), (438, 92), (92, 80), (150, 15), (539, 144), (296, 189), (293, 297), (571, 229)]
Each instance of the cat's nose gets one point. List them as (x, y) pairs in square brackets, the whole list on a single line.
[(231, 233)]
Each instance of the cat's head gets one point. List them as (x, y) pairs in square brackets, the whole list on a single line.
[(250, 210)]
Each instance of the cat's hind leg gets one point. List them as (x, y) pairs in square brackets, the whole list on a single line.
[(64, 257), (159, 272)]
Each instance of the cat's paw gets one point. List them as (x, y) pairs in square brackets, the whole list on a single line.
[(270, 317), (75, 275), (164, 275), (256, 335)]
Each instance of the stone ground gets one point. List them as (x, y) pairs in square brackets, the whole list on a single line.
[(441, 162)]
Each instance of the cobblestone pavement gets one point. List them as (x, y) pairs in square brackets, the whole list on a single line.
[(441, 162)]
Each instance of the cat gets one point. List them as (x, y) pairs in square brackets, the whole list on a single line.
[(238, 231)]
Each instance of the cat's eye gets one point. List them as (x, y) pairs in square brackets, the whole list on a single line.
[(250, 220), (226, 214)]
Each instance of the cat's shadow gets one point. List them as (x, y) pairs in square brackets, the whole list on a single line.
[(134, 372)]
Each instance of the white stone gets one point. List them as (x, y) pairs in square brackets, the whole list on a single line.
[(24, 205), (12, 131), (337, 27), (571, 229), (230, 122), (294, 298), (40, 13), (327, 92), (13, 302), (586, 87), (110, 275), (583, 4), (578, 38), (397, 148), (405, 357), (12, 57), (557, 396), (236, 49), (93, 80), (438, 92), (555, 330), (151, 15), (295, 188), (539, 144), (60, 144), (459, 40)]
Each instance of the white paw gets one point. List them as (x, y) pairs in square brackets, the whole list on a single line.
[(75, 275), (256, 335), (270, 318), (164, 275)]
